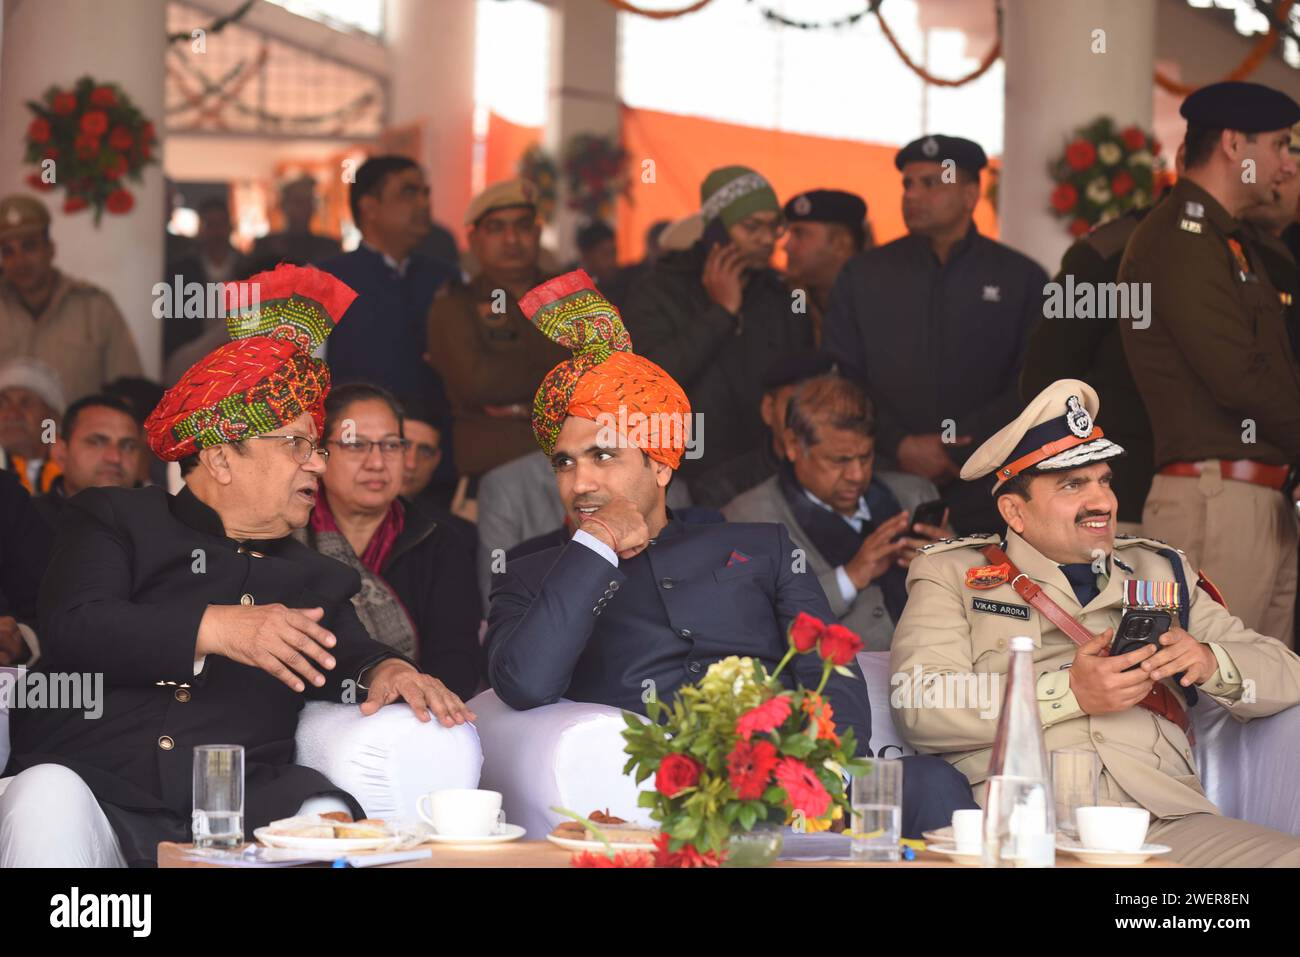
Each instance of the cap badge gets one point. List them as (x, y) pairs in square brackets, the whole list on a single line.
[(988, 576), (1077, 417), (930, 147), (1194, 210), (802, 205), (992, 293)]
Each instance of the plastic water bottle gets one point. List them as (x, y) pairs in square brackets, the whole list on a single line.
[(1019, 809)]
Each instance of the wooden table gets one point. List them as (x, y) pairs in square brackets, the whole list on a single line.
[(546, 854)]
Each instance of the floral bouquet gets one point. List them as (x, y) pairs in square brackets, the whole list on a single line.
[(595, 175), (1103, 173), (89, 140), (538, 167), (740, 749)]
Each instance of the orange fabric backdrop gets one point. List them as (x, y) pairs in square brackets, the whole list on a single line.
[(685, 148)]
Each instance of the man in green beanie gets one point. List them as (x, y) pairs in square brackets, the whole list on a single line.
[(714, 314)]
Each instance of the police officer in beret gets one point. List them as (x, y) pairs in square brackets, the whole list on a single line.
[(825, 228), (936, 322), (1062, 576), (1212, 360)]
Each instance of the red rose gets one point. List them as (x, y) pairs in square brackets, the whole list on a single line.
[(103, 96), (35, 182), (763, 718), (804, 631), (1064, 197), (51, 153), (94, 123), (74, 203), (86, 145), (803, 787), (1079, 227), (1122, 184), (749, 768), (1080, 155), (838, 645), (63, 103), (120, 201), (39, 131), (115, 166), (121, 139), (1133, 138), (676, 773)]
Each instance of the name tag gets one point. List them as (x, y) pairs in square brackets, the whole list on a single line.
[(999, 608)]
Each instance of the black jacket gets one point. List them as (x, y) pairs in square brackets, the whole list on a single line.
[(718, 359), (24, 550), (432, 570), (567, 623), (132, 572)]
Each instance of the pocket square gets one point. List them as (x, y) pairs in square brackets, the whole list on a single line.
[(737, 558)]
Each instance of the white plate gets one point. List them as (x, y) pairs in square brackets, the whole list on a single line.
[(323, 845), (1112, 858), (508, 832), (968, 858), (942, 835), (591, 844)]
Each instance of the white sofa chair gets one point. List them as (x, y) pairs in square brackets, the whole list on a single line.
[(386, 761), (571, 755)]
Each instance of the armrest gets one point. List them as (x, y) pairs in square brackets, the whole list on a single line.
[(1251, 769), (566, 754), (389, 759)]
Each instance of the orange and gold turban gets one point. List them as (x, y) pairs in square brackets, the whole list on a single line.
[(604, 380)]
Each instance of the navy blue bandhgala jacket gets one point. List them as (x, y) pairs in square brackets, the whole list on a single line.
[(565, 623)]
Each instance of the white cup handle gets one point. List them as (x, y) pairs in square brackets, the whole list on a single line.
[(427, 817)]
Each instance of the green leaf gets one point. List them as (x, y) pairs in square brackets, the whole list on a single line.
[(647, 799), (845, 671), (747, 818), (798, 746)]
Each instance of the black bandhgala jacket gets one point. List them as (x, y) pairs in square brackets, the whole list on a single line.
[(131, 574)]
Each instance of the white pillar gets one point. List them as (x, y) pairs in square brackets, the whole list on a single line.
[(1055, 83), (55, 42), (432, 84), (584, 91)]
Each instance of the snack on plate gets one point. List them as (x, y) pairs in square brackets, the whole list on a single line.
[(367, 827), (615, 829), (335, 824)]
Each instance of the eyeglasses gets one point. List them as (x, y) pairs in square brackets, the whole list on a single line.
[(360, 448), (303, 447)]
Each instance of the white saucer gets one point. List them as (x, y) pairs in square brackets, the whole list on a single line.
[(967, 858), (942, 835), (508, 832), (1111, 858), (592, 844), (322, 845)]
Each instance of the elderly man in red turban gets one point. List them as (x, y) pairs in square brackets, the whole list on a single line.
[(203, 619)]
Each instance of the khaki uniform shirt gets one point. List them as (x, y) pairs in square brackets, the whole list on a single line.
[(487, 356), (950, 628), (1216, 352), (80, 334)]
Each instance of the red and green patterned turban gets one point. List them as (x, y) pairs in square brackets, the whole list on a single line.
[(604, 377), (266, 376)]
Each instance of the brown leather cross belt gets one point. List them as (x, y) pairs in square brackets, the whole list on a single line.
[(1241, 470), (1160, 701)]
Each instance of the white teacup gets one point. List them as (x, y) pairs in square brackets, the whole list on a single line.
[(462, 812), (968, 830), (1113, 828)]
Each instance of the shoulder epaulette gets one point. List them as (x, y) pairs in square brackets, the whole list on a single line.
[(964, 541), (1154, 544)]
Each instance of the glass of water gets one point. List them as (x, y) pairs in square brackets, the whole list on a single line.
[(877, 801), (1075, 784), (1018, 823), (218, 819)]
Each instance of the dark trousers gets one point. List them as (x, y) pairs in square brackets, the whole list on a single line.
[(932, 790)]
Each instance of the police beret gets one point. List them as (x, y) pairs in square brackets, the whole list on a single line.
[(512, 192), (1054, 432), (797, 367), (1234, 105), (966, 154), (827, 206), (21, 215)]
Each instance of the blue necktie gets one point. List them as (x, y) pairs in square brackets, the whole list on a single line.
[(1083, 580)]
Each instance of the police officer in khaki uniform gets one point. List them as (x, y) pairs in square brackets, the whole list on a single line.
[(965, 604), (490, 357), (1214, 365), (68, 323)]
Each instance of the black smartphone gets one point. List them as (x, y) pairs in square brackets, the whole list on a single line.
[(1139, 627), (929, 513), (715, 234)]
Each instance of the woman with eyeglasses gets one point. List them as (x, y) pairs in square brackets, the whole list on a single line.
[(418, 589)]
